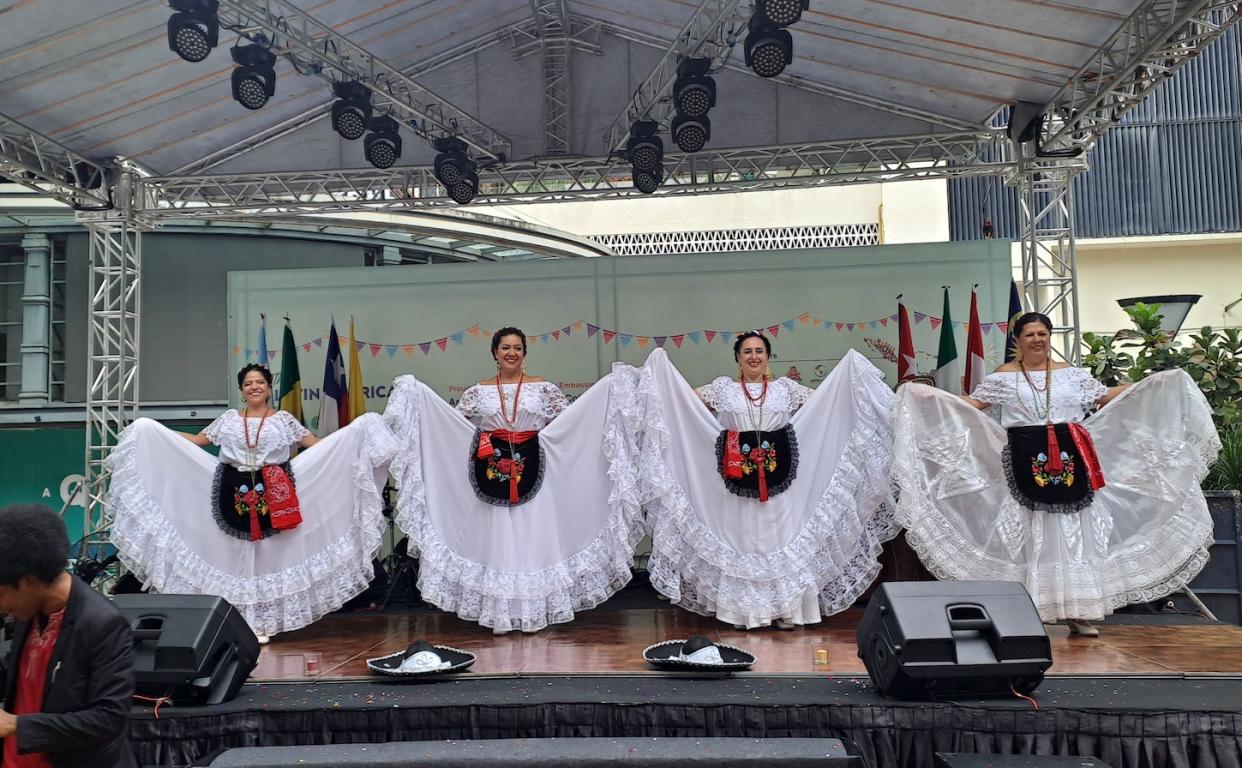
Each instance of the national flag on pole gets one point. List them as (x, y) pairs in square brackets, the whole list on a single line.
[(334, 402), (289, 396), (1015, 311), (357, 399), (907, 363), (948, 364), (974, 346)]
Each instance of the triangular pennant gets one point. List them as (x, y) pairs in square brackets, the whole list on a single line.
[(678, 339), (919, 317), (873, 323), (884, 321), (709, 335), (533, 340), (358, 345), (391, 349), (457, 337), (425, 346), (319, 342), (273, 354), (985, 327), (788, 325), (473, 330), (694, 336), (935, 322), (609, 336), (774, 330), (249, 353), (805, 317), (375, 349), (817, 321), (850, 326), (626, 339), (592, 330), (643, 341), (840, 326), (544, 337), (408, 349), (577, 325), (1003, 326), (442, 343), (659, 340), (237, 350), (566, 329), (556, 335), (306, 347)]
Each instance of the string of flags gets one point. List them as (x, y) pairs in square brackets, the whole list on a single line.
[(806, 319)]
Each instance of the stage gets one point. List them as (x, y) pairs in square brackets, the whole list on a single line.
[(1153, 690)]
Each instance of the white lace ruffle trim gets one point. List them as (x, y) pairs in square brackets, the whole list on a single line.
[(150, 546), (530, 601), (836, 553)]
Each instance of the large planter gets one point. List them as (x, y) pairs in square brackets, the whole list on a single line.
[(1219, 585)]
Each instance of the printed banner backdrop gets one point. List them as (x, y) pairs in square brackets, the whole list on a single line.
[(582, 314)]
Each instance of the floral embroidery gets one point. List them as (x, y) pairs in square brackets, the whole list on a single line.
[(246, 498), (499, 468), (1043, 479), (764, 453)]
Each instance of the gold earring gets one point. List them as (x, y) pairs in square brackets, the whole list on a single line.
[(498, 365)]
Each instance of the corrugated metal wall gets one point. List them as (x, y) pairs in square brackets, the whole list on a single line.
[(1174, 165)]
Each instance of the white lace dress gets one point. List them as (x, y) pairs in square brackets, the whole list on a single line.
[(809, 551), (565, 548), (1143, 535), (160, 500)]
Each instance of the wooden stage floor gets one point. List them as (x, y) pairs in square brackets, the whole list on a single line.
[(611, 642)]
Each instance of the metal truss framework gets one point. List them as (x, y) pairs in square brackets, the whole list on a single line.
[(973, 153), (711, 32), (316, 48), (35, 161), (552, 20), (112, 348), (1151, 44), (1049, 258)]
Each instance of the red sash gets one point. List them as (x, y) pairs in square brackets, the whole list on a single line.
[(485, 449), (1086, 449), (282, 499)]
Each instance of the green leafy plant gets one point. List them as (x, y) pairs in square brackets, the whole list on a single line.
[(1108, 364), (1226, 473), (1214, 361), (1155, 350)]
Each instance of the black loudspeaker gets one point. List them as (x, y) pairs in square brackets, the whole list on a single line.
[(927, 639), (196, 648)]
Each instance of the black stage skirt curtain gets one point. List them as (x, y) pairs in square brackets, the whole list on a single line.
[(490, 475), (1030, 480), (889, 734), (777, 450)]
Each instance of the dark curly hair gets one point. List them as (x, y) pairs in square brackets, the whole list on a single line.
[(508, 330), (737, 345), (33, 542), (1027, 319), (263, 369)]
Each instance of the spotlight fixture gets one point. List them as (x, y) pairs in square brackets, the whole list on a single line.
[(194, 29), (767, 50), (690, 134), (254, 78), (645, 152), (780, 13), (351, 112), (454, 169), (694, 93), (382, 146)]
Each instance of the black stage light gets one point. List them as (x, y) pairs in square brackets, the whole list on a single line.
[(465, 189), (351, 112), (382, 145), (648, 181), (694, 93), (254, 78), (452, 161), (644, 149), (194, 29), (768, 51), (690, 134), (780, 13)]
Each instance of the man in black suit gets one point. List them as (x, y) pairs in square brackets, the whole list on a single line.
[(70, 672)]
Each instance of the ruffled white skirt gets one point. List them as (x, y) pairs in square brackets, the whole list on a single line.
[(164, 532), (1145, 534), (809, 551), (566, 549)]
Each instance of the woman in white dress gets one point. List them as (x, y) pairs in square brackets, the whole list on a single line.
[(774, 510), (285, 542), (521, 507), (1090, 513)]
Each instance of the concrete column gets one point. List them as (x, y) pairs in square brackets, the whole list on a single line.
[(36, 320)]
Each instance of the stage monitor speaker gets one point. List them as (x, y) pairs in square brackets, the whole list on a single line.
[(196, 648), (928, 639)]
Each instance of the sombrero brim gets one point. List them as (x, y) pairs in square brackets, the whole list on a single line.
[(390, 665), (664, 655)]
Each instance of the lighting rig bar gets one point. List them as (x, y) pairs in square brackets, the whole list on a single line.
[(335, 58), (713, 22), (1151, 44), (31, 159), (949, 155)]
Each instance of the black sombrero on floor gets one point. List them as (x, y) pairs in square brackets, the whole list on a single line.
[(698, 654), (421, 658)]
